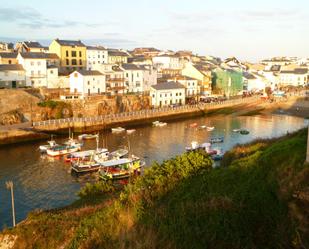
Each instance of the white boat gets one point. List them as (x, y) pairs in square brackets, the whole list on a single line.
[(131, 131), (210, 128), (73, 142), (196, 146), (118, 130), (117, 154), (159, 124), (45, 147), (62, 150), (88, 136), (85, 166), (203, 126), (85, 155), (236, 130)]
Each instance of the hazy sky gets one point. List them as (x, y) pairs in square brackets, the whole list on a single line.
[(246, 29)]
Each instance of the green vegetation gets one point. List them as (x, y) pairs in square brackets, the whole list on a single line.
[(258, 199), (59, 109)]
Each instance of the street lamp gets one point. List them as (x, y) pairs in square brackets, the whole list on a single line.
[(9, 185)]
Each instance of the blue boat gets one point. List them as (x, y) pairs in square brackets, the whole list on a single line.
[(217, 140)]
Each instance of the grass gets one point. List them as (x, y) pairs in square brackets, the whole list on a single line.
[(258, 199)]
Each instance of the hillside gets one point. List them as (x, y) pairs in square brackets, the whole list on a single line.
[(258, 199)]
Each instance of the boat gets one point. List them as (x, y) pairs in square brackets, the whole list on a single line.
[(88, 136), (210, 128), (203, 127), (45, 147), (85, 166), (120, 168), (236, 130), (193, 125), (84, 155), (196, 146), (62, 150), (159, 124), (117, 154), (217, 140), (73, 142), (131, 131), (118, 130), (244, 132)]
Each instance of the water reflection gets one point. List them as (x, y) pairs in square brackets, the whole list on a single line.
[(45, 182)]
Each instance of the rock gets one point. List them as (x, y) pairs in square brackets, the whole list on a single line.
[(7, 241), (11, 117)]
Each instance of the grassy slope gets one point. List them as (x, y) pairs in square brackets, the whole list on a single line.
[(259, 201)]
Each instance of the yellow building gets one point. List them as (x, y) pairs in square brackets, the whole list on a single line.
[(200, 72), (72, 54), (8, 58)]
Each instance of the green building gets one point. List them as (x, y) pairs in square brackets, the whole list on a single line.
[(227, 82)]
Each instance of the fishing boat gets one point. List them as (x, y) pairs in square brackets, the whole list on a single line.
[(84, 155), (131, 131), (51, 143), (118, 130), (217, 140), (117, 154), (85, 166), (159, 124), (244, 132), (62, 150), (121, 168), (236, 130), (196, 146), (210, 128), (203, 127), (88, 136)]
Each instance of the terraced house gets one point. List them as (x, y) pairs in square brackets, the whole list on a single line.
[(12, 76), (72, 54)]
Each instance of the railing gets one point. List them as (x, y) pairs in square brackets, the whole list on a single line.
[(149, 113)]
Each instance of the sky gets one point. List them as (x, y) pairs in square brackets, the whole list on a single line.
[(250, 30)]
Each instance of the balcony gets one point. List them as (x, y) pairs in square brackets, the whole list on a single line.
[(112, 80)]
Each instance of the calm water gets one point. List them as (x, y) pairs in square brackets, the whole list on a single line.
[(41, 182)]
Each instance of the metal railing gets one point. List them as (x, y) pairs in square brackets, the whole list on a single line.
[(146, 113)]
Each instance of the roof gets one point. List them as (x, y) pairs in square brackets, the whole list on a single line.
[(11, 67), (95, 48), (39, 55), (90, 72), (180, 77), (128, 66), (117, 53), (168, 85), (295, 71), (32, 44), (249, 76), (8, 55), (77, 43)]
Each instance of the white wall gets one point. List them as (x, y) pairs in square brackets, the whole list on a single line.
[(293, 79), (85, 84), (6, 78), (167, 97), (95, 57)]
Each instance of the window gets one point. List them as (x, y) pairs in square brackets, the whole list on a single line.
[(67, 53), (98, 56), (39, 63), (80, 62), (10, 62), (127, 74), (160, 95), (179, 94), (32, 63), (188, 83), (153, 95), (51, 71), (76, 75), (176, 94), (67, 62), (80, 53), (88, 91), (88, 82), (165, 95), (73, 53), (39, 72), (74, 62), (32, 72), (171, 95), (98, 90)]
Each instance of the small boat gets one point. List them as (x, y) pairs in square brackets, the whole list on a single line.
[(210, 128), (85, 166), (62, 150), (244, 132), (236, 130), (117, 154), (196, 146), (193, 125), (84, 155), (131, 131), (203, 127), (73, 142), (45, 147), (118, 130), (121, 168), (159, 124), (88, 136), (217, 140)]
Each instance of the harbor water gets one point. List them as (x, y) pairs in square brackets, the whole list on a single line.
[(42, 182)]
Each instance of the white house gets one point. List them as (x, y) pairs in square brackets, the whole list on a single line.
[(191, 84), (167, 61), (86, 82), (35, 65), (167, 93), (254, 82), (12, 76), (139, 78), (294, 77), (96, 55)]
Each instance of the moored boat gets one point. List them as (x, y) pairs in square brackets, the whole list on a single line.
[(85, 166), (159, 124), (45, 147), (84, 155), (62, 150), (88, 136), (217, 140), (118, 130), (131, 131), (121, 168), (244, 132), (117, 154), (210, 128), (193, 125)]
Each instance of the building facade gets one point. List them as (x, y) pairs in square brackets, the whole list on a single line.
[(117, 56), (295, 77), (12, 76), (72, 54), (8, 58), (168, 93), (96, 55), (191, 85), (86, 82)]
